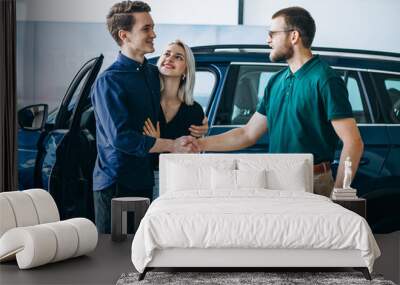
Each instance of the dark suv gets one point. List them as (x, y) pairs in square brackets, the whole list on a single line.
[(58, 153)]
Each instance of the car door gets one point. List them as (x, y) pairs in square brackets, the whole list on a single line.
[(384, 197), (243, 88), (57, 161), (60, 123), (374, 135), (373, 97)]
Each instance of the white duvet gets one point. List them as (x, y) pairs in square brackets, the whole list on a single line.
[(253, 218)]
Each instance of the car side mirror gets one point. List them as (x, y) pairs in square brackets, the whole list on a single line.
[(33, 117)]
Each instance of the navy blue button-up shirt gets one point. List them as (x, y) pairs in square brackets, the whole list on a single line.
[(123, 96)]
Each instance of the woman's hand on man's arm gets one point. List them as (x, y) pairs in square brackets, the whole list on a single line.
[(150, 130), (199, 131)]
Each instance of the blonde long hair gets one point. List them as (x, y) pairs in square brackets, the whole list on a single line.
[(186, 86)]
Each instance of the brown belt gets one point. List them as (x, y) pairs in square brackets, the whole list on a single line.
[(322, 167)]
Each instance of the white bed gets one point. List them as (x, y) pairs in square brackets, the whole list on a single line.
[(219, 210)]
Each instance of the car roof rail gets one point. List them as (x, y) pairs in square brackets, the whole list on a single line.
[(255, 47), (226, 47)]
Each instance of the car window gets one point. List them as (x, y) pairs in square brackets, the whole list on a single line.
[(388, 88), (352, 81), (249, 90), (203, 88), (77, 91), (247, 84), (393, 89), (71, 97)]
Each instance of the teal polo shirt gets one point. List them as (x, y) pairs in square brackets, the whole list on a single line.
[(300, 107)]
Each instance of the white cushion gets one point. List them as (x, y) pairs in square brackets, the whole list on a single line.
[(34, 244), (45, 206), (251, 178), (194, 175), (293, 180), (23, 208), (7, 218), (283, 164), (223, 179), (187, 177), (87, 235), (26, 208), (40, 244), (226, 179), (281, 174), (67, 240)]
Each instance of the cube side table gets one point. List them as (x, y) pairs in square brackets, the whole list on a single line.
[(119, 208)]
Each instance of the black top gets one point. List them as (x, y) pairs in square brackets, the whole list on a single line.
[(179, 125)]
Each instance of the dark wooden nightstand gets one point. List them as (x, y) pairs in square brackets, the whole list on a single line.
[(119, 208), (358, 205)]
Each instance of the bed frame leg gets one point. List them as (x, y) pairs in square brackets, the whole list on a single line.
[(143, 274), (364, 271)]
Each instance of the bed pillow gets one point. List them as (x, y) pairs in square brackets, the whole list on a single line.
[(223, 179), (251, 178), (280, 175), (194, 176), (293, 180), (237, 179)]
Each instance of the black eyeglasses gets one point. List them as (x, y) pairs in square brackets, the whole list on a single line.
[(271, 33)]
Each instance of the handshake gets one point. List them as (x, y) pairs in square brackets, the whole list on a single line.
[(186, 144)]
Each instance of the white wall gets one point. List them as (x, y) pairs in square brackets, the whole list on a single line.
[(194, 12), (360, 24), (54, 37)]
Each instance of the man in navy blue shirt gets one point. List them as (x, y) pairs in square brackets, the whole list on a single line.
[(123, 97)]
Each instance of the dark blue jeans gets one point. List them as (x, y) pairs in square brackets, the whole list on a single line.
[(102, 205)]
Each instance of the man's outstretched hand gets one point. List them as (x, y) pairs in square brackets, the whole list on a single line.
[(186, 144)]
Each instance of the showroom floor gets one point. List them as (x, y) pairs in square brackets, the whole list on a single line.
[(103, 266), (110, 259)]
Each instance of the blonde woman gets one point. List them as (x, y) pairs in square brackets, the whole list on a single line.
[(179, 115)]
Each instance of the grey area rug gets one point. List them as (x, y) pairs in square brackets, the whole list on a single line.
[(243, 278)]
